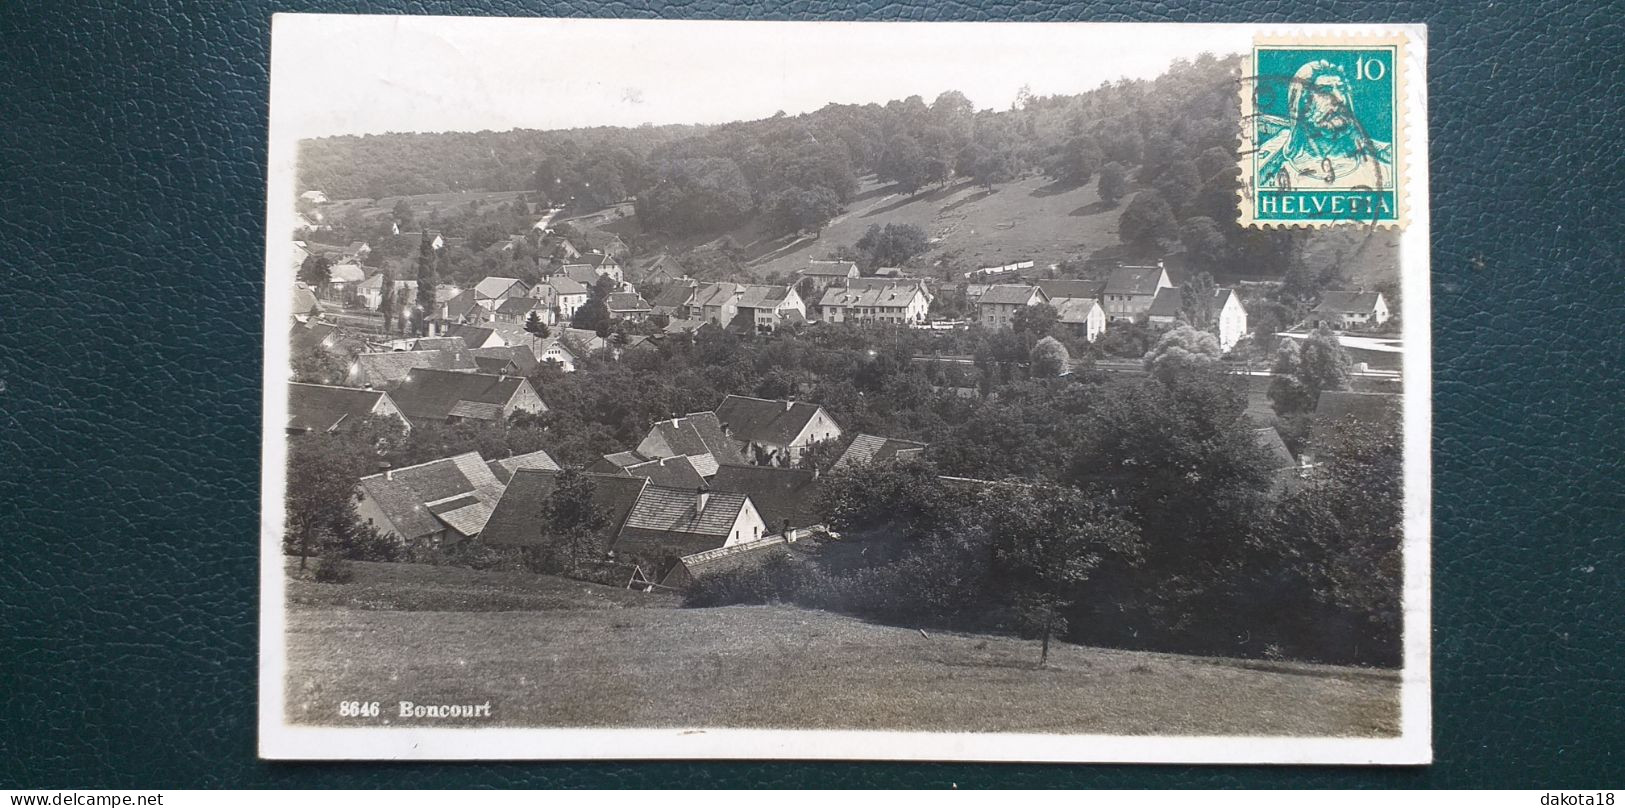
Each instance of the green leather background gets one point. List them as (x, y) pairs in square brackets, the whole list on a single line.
[(132, 148)]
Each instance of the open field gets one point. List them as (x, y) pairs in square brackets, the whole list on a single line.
[(420, 587), (575, 659)]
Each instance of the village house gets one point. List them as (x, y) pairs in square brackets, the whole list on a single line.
[(672, 472), (517, 310), (1074, 288), (689, 569), (716, 303), (627, 306), (765, 307), (900, 302), (389, 368), (511, 360), (697, 436), (1348, 310), (568, 295), (818, 276), (1082, 315), (774, 433), (554, 350), (431, 504), (674, 298), (437, 396), (518, 519), (662, 271), (436, 344), (877, 449), (416, 236), (490, 292), (342, 282), (1131, 290), (997, 307), (305, 305), (325, 337), (1165, 307), (667, 523), (321, 408), (1229, 317), (785, 498)]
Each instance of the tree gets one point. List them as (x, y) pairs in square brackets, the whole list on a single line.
[(319, 366), (893, 244), (322, 473), (1181, 351), (386, 297), (1049, 358), (1302, 371), (1047, 540), (1178, 184), (428, 279), (1207, 247), (536, 327), (800, 209), (1197, 298), (1113, 183), (1148, 221), (1038, 320), (572, 524), (402, 214), (904, 163), (313, 271)]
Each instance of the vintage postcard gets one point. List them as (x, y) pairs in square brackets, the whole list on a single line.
[(814, 390)]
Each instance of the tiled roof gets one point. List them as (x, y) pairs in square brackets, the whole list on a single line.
[(517, 517), (626, 301), (316, 337), (828, 269), (320, 407), (1072, 288), (304, 301), (764, 296), (583, 274), (1134, 281), (1167, 303), (875, 449), (1010, 294), (503, 469), (672, 510), (679, 325), (1073, 310), (723, 559), (616, 462), (1222, 296), (495, 287), (518, 305), (436, 395), (672, 472), (1337, 302), (891, 294), (404, 494), (439, 344), (699, 436), (464, 513), (675, 295), (345, 273), (392, 367), (476, 410), (512, 359), (758, 420), (778, 494), (565, 285), (716, 294)]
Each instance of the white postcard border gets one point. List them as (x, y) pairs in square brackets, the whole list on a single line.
[(279, 740)]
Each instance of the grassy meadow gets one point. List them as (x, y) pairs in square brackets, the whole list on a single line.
[(547, 652)]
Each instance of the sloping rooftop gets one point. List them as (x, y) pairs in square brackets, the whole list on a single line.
[(304, 301), (320, 407), (513, 359), (675, 295), (517, 519), (439, 344), (1134, 281), (672, 472), (1167, 303), (345, 273), (565, 285), (1010, 294), (699, 436), (626, 302), (765, 421), (583, 274), (828, 269), (1072, 288), (404, 494), (493, 287), (716, 294), (778, 494), (1338, 302), (392, 367), (436, 395), (1073, 310), (876, 449), (763, 296), (674, 510), (503, 469), (891, 294)]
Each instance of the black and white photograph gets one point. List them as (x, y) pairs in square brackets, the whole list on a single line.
[(930, 391)]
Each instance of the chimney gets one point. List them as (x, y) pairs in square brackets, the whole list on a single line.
[(701, 496)]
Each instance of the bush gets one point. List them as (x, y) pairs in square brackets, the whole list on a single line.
[(334, 569)]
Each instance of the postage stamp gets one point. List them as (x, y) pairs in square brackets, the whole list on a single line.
[(1322, 131)]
